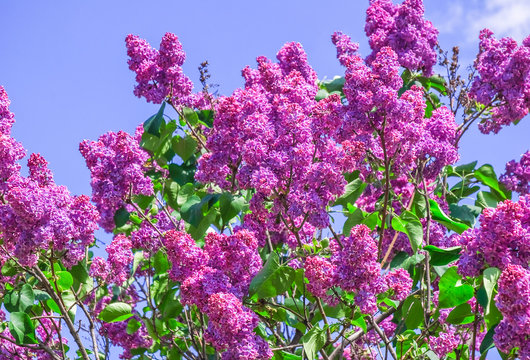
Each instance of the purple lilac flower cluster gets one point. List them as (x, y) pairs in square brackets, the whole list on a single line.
[(159, 74), (501, 239), (37, 215), (215, 280), (117, 266), (513, 301), (116, 163), (517, 175), (404, 29), (353, 266), (405, 137), (268, 136), (11, 151), (503, 80)]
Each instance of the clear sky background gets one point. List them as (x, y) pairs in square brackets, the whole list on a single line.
[(64, 63)]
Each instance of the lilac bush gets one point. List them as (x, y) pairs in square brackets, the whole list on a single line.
[(292, 219)]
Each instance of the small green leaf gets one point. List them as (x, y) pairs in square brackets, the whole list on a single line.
[(191, 116), (160, 262), (184, 146), (460, 315), (413, 312), (114, 312), (154, 123), (20, 301), (451, 292), (64, 280), (231, 206), (409, 224), (22, 328), (441, 256), (313, 341), (121, 217), (132, 326), (486, 200), (486, 175), (272, 279), (352, 191), (487, 342), (442, 218)]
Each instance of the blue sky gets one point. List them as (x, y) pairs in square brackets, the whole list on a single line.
[(63, 63)]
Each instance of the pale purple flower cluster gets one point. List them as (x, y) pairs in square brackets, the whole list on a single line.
[(38, 215), (236, 255), (404, 29), (268, 136), (353, 266), (405, 137), (117, 266), (503, 80), (117, 333), (513, 301), (231, 326), (146, 237), (11, 151), (215, 280), (445, 342), (321, 275), (357, 268), (517, 175), (501, 239), (116, 163), (159, 74), (399, 281)]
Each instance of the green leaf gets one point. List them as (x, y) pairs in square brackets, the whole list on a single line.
[(231, 206), (205, 117), (160, 262), (451, 292), (191, 211), (313, 341), (465, 213), (352, 219), (20, 301), (489, 279), (441, 256), (409, 224), (486, 175), (22, 328), (184, 146), (413, 312), (191, 116), (9, 268), (64, 280), (153, 124), (352, 191), (114, 312), (121, 217), (137, 260), (132, 326), (486, 200), (487, 342), (184, 173), (460, 315), (464, 169), (272, 279), (143, 201), (442, 218), (321, 94), (419, 206)]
